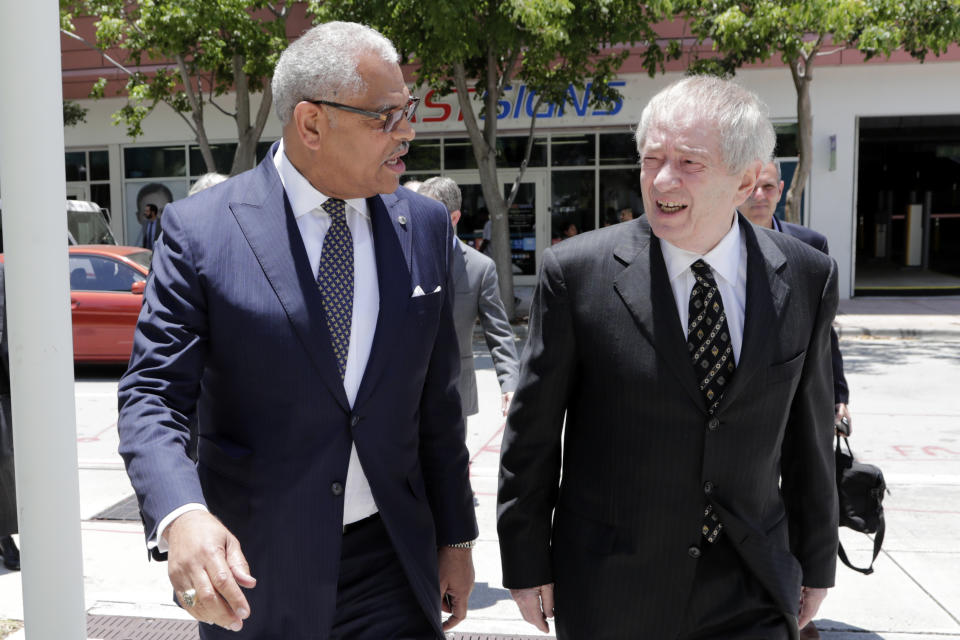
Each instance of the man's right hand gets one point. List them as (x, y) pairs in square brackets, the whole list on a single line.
[(205, 556), (536, 605)]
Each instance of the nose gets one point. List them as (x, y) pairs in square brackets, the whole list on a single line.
[(667, 177), (404, 131)]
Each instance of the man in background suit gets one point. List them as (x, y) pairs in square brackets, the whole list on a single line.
[(8, 485), (759, 209), (476, 294), (151, 226), (303, 310), (680, 363)]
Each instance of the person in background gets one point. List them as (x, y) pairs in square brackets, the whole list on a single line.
[(8, 485), (680, 362), (626, 214), (151, 226), (759, 209), (476, 294), (303, 310)]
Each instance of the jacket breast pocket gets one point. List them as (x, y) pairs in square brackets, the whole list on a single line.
[(787, 370)]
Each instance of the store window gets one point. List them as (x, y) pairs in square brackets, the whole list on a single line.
[(573, 150), (572, 206), (88, 177), (618, 148), (424, 155), (620, 199), (155, 162)]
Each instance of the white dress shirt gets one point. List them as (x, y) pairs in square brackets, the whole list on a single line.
[(313, 223), (728, 261)]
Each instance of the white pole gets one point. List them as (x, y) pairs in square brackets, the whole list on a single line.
[(33, 185)]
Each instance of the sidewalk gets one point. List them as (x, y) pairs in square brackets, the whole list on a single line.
[(913, 595)]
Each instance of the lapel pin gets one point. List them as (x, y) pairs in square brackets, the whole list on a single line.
[(402, 220)]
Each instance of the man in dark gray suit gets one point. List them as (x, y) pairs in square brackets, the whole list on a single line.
[(667, 467), (759, 209), (476, 294), (8, 488)]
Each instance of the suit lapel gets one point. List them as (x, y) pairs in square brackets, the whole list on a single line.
[(276, 242), (392, 246), (767, 295), (459, 266), (645, 289)]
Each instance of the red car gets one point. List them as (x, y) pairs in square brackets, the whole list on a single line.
[(106, 292)]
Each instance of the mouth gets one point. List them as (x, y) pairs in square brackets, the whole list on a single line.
[(395, 162), (668, 206)]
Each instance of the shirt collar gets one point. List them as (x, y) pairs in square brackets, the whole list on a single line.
[(724, 258), (304, 197)]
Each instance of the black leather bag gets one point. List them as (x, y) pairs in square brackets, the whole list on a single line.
[(861, 488)]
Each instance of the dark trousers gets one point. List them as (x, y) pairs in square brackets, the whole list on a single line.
[(8, 497), (728, 602), (374, 597)]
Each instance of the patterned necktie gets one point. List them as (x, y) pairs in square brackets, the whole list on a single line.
[(711, 352), (335, 279)]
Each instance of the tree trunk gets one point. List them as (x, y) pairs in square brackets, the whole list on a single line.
[(485, 151), (802, 72)]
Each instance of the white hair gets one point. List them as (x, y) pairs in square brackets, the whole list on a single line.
[(322, 63), (739, 116), (443, 189), (206, 181)]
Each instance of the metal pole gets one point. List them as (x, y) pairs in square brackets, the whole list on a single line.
[(38, 315)]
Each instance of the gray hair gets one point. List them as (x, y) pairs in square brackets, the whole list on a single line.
[(323, 62), (740, 117), (206, 181), (443, 189)]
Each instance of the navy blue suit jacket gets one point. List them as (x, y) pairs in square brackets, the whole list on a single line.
[(841, 392), (232, 326)]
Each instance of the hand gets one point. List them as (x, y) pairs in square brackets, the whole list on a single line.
[(205, 556), (535, 604), (456, 582), (505, 404), (843, 413), (810, 600)]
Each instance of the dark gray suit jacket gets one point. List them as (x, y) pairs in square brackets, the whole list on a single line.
[(8, 489), (477, 294), (607, 377), (841, 392)]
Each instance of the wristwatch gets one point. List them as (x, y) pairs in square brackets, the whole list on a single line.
[(469, 544)]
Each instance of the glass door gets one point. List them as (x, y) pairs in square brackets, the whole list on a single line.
[(529, 222)]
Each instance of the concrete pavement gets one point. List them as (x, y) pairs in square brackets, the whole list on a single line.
[(912, 595)]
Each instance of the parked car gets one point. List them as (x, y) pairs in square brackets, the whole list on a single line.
[(106, 292), (86, 224)]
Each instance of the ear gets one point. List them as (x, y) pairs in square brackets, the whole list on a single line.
[(455, 217), (309, 121), (780, 192), (748, 181)]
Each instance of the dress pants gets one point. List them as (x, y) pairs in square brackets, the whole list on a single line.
[(728, 602), (374, 597), (8, 497)]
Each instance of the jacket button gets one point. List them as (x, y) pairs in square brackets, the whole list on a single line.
[(354, 421), (336, 488), (708, 487), (714, 424), (694, 552)]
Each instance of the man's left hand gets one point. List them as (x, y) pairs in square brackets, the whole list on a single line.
[(505, 404), (810, 600), (456, 583), (842, 412)]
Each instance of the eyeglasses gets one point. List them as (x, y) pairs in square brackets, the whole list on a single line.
[(390, 119)]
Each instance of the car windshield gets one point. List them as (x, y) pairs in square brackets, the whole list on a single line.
[(89, 227), (142, 258)]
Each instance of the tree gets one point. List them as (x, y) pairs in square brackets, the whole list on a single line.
[(203, 47), (800, 30), (482, 46)]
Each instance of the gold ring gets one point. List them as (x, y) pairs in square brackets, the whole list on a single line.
[(189, 597)]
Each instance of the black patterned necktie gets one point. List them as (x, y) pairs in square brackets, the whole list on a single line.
[(711, 352), (335, 279)]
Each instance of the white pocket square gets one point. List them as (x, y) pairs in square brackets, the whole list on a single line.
[(418, 291)]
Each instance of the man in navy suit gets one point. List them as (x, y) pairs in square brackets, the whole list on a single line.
[(759, 209), (303, 310)]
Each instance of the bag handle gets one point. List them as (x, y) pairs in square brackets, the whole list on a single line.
[(877, 543)]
